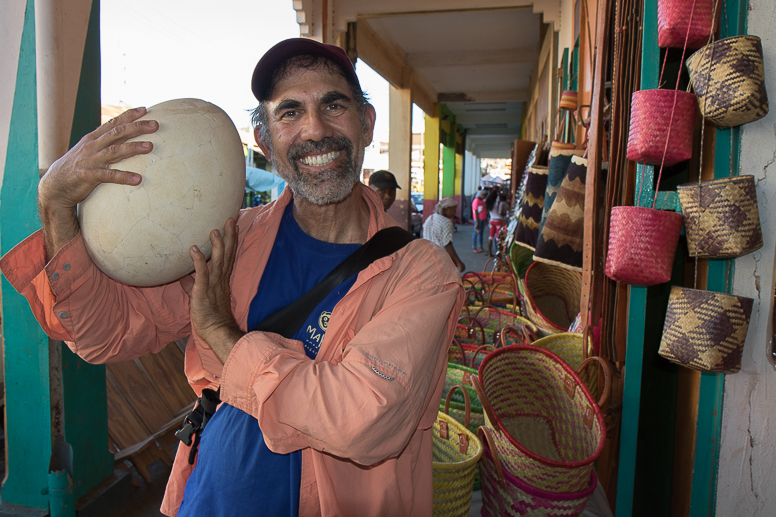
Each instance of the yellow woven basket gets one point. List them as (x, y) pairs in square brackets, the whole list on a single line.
[(456, 454)]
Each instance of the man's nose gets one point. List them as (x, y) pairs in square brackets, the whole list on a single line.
[(314, 126)]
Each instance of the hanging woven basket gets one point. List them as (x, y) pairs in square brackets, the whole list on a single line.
[(568, 100), (551, 296), (678, 20), (729, 79), (642, 245), (705, 330), (652, 122), (527, 231), (721, 217)]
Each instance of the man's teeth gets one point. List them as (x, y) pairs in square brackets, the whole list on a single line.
[(321, 159)]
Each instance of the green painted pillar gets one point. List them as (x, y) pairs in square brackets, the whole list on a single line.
[(27, 390), (50, 392), (448, 151)]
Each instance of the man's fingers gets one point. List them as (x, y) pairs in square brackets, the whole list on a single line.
[(117, 176), (114, 153), (200, 267), (125, 118), (216, 256), (230, 245)]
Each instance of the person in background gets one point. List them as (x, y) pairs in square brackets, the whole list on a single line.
[(480, 216), (438, 228), (496, 205), (384, 183)]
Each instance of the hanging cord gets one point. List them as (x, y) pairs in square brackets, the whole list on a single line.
[(703, 127), (673, 109)]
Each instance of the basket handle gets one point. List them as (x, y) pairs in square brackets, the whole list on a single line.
[(523, 334), (483, 433), (490, 348), (460, 348), (484, 400), (607, 376), (467, 403)]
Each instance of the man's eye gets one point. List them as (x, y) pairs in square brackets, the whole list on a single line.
[(334, 106), (289, 113)]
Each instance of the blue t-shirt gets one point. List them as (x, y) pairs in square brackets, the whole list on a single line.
[(236, 474)]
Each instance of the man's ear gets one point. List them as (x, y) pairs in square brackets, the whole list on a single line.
[(264, 147), (371, 116)]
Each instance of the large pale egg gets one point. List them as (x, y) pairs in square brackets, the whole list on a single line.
[(193, 181)]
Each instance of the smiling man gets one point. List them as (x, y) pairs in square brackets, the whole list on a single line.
[(334, 418)]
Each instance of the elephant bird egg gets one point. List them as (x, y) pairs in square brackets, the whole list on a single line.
[(192, 182)]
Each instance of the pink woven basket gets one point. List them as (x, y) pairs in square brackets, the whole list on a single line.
[(506, 495), (677, 21), (642, 245), (651, 123)]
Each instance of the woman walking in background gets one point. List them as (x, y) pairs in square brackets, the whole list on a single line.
[(496, 206), (480, 216)]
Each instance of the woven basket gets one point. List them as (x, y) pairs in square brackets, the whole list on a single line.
[(721, 217), (560, 160), (521, 258), (546, 426), (459, 375), (568, 347), (551, 296), (505, 494), (674, 20), (705, 330), (494, 320), (562, 231), (651, 122), (733, 91), (568, 100), (533, 202), (456, 451), (642, 245)]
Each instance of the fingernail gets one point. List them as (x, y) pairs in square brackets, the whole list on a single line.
[(193, 249), (145, 145), (141, 109), (135, 177)]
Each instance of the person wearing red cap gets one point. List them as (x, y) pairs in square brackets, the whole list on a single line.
[(335, 419)]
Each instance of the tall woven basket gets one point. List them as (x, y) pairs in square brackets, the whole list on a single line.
[(533, 203), (729, 78), (642, 245), (721, 217), (505, 494), (456, 451), (551, 296), (705, 330), (547, 428)]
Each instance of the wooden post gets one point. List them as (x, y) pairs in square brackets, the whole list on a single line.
[(400, 150), (431, 163)]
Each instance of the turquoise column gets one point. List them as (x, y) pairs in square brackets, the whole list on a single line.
[(27, 412)]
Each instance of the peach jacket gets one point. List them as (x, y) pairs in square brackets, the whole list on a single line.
[(361, 412)]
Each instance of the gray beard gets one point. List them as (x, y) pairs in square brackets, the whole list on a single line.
[(327, 186)]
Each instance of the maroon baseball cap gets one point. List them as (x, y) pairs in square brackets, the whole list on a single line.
[(285, 50)]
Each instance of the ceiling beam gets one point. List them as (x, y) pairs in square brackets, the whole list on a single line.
[(472, 57), (484, 96), (374, 51)]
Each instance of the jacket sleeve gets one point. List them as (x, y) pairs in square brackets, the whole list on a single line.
[(366, 406), (101, 319)]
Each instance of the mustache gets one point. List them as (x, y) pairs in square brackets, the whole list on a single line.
[(330, 143)]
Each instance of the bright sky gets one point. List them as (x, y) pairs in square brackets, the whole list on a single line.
[(155, 51)]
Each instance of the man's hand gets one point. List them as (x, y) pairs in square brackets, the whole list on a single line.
[(72, 178), (210, 294)]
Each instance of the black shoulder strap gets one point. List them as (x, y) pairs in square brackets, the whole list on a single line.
[(289, 319)]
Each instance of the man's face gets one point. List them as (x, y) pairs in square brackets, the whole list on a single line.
[(388, 196), (317, 139)]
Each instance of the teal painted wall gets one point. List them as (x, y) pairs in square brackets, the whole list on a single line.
[(28, 417)]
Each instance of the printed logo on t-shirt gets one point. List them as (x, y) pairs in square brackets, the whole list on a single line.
[(323, 321)]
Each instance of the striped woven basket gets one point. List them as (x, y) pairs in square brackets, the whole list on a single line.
[(456, 451), (551, 296), (459, 375), (504, 494), (547, 428)]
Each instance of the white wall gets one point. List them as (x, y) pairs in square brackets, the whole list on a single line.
[(748, 449)]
